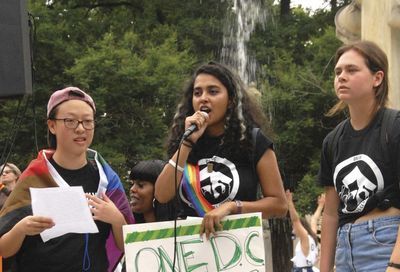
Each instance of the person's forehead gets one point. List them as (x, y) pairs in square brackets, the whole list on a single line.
[(351, 57), (8, 169), (141, 181), (206, 79), (75, 107)]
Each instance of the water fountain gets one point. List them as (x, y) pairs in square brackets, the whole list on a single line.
[(241, 21)]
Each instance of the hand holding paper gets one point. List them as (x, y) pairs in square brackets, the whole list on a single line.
[(33, 225), (66, 206)]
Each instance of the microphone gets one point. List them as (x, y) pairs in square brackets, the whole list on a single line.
[(189, 131), (193, 127)]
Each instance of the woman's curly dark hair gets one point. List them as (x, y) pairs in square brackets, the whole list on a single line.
[(242, 116)]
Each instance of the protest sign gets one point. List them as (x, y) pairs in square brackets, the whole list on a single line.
[(239, 246)]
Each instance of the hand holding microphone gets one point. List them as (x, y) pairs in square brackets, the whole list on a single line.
[(197, 121)]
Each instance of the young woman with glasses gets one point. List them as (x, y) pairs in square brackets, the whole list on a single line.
[(68, 162)]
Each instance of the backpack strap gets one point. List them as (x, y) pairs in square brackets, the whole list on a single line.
[(254, 134), (388, 119), (387, 124), (388, 196), (333, 142), (389, 153)]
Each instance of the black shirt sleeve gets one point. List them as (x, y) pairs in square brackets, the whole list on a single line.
[(262, 144), (325, 173)]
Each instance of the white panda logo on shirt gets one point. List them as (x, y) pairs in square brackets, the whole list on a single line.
[(217, 186), (354, 185)]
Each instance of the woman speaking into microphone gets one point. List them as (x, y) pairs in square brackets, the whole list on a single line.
[(222, 162)]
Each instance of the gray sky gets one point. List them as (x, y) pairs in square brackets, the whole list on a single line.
[(312, 4)]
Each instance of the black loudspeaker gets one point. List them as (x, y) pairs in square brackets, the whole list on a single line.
[(15, 57)]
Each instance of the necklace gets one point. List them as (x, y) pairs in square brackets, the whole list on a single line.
[(207, 142), (210, 164)]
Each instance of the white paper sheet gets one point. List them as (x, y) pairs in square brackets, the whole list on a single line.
[(68, 208)]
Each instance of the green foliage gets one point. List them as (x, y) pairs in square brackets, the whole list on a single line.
[(307, 192), (135, 86), (296, 56), (134, 56)]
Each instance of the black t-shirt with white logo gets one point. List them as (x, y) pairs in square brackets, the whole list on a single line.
[(229, 178), (359, 172)]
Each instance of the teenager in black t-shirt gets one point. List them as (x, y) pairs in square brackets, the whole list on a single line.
[(362, 212), (68, 162), (227, 156)]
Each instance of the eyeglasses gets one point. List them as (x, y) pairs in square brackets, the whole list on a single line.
[(73, 123)]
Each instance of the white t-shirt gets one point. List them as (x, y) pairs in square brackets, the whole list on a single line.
[(299, 260)]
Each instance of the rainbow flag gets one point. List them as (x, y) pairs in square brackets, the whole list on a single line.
[(40, 174), (191, 185)]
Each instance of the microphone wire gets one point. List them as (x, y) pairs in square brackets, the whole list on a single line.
[(32, 42), (10, 136), (176, 199), (176, 204), (19, 117)]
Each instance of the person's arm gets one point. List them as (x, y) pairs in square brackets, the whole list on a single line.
[(106, 211), (273, 204), (317, 214), (11, 241), (117, 232), (298, 227), (165, 185), (330, 223), (395, 257)]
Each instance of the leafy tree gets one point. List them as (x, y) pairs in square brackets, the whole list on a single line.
[(295, 78), (133, 56), (135, 85)]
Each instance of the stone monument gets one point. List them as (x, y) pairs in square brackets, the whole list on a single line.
[(377, 21)]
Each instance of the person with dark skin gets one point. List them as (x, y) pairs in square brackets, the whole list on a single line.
[(144, 206)]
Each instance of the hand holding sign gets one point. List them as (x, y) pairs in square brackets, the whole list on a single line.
[(238, 247)]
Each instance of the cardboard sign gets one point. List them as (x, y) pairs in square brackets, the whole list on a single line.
[(238, 247)]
